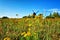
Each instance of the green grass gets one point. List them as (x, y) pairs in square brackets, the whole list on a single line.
[(48, 29)]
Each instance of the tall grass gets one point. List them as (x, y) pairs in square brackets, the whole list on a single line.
[(29, 29)]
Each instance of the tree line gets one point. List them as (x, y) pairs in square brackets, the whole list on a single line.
[(51, 15)]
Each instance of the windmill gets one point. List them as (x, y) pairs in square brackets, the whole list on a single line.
[(34, 13)]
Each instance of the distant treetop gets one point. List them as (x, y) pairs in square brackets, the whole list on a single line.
[(4, 17)]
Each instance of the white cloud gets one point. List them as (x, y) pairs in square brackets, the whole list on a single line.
[(54, 10)]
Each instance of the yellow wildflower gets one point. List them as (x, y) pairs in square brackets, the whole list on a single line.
[(23, 33), (7, 38), (28, 33), (30, 24), (29, 29)]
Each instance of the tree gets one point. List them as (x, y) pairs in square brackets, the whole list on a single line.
[(4, 17), (25, 17), (50, 16), (29, 16), (41, 16), (56, 14)]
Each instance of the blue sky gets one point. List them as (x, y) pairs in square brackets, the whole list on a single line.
[(24, 7)]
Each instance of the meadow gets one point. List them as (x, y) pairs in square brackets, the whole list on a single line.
[(30, 29)]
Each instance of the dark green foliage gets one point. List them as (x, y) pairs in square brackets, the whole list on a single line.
[(4, 17), (25, 17), (54, 15)]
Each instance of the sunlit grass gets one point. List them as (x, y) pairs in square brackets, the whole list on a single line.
[(30, 29)]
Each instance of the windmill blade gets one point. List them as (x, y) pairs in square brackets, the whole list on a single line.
[(33, 10), (37, 12)]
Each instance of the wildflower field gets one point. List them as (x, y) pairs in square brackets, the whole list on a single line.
[(30, 29)]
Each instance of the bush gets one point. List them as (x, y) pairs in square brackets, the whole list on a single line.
[(4, 17)]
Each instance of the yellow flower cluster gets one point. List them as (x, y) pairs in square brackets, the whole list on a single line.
[(29, 29), (30, 24), (7, 38), (23, 33), (27, 34)]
